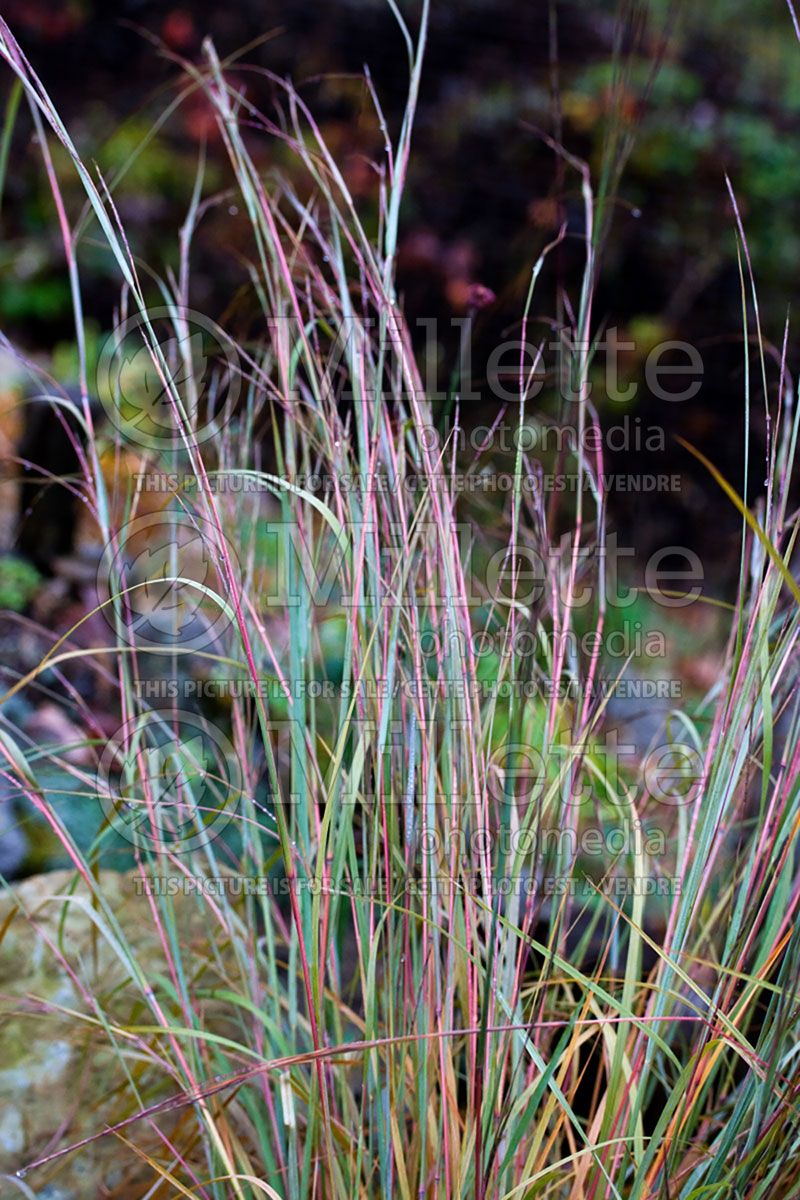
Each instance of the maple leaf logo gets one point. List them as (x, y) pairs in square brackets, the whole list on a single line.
[(163, 600), (144, 386), (176, 777), (177, 781)]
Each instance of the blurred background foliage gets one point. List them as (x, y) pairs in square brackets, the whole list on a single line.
[(486, 190)]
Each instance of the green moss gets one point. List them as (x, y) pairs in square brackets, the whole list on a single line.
[(19, 581)]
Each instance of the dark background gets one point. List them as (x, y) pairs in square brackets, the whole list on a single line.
[(486, 192)]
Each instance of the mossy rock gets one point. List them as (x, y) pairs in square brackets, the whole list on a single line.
[(60, 1078)]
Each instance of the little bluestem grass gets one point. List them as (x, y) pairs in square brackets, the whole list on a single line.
[(387, 1019)]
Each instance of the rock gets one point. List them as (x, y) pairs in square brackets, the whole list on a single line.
[(13, 842), (641, 722), (60, 1079), (82, 816)]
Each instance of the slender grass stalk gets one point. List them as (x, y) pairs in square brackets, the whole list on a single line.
[(366, 984)]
